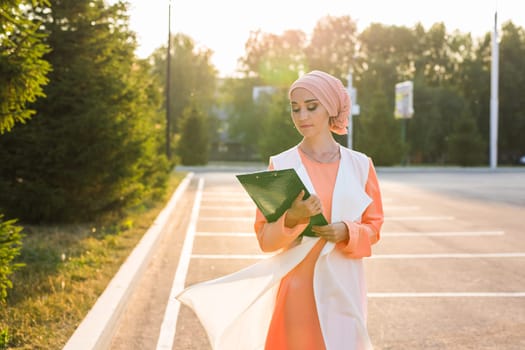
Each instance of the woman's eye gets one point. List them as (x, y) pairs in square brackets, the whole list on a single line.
[(309, 108)]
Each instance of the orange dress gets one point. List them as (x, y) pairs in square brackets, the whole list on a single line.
[(295, 323)]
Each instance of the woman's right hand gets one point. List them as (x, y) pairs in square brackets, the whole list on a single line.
[(302, 209)]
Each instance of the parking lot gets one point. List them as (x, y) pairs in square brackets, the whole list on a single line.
[(448, 272)]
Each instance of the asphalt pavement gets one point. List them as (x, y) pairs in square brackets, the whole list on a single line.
[(448, 272)]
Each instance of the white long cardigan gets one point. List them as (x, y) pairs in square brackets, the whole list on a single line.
[(236, 310)]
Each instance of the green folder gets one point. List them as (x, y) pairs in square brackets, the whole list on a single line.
[(274, 191)]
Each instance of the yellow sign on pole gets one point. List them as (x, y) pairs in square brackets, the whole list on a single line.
[(404, 100)]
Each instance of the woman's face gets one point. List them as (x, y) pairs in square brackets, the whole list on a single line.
[(309, 116)]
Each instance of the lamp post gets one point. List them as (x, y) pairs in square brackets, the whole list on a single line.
[(354, 110), (349, 139), (168, 85), (494, 73)]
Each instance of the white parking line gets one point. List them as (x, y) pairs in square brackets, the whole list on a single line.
[(378, 256), (224, 200), (231, 256), (169, 323), (228, 207), (449, 256), (449, 295), (226, 234), (226, 194), (401, 207), (418, 218), (443, 234), (226, 218), (387, 218), (214, 195), (383, 234), (252, 206)]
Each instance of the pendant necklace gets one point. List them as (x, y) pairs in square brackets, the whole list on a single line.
[(326, 159)]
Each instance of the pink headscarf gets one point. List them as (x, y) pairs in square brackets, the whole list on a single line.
[(331, 94)]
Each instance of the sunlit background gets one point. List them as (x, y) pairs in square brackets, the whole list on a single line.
[(224, 26)]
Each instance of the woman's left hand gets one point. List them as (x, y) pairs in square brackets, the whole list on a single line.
[(335, 232)]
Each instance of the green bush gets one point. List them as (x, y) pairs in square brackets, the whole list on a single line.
[(10, 244), (4, 338)]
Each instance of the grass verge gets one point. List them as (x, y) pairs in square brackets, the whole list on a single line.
[(67, 268)]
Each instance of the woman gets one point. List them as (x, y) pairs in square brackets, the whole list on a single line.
[(312, 295)]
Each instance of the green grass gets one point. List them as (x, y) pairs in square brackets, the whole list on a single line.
[(67, 268)]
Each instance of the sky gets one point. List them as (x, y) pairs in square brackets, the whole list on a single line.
[(225, 25)]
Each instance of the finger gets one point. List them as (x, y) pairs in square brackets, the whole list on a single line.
[(298, 199), (316, 206), (315, 199), (300, 196), (310, 201), (320, 229), (326, 237)]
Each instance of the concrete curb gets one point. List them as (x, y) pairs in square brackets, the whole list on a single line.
[(96, 330)]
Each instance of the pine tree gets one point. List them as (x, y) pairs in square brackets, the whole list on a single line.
[(90, 148), (22, 69), (22, 77)]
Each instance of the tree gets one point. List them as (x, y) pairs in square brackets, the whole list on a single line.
[(450, 71), (436, 109), (244, 116), (438, 62), (270, 61), (332, 47), (511, 143), (194, 143), (379, 133), (385, 58), (473, 82), (387, 53), (465, 145), (438, 54), (192, 79), (23, 71), (91, 146), (275, 60), (278, 130)]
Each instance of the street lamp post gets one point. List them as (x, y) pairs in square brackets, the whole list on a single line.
[(168, 85), (494, 74), (354, 110)]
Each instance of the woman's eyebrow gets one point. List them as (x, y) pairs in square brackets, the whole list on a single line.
[(306, 101)]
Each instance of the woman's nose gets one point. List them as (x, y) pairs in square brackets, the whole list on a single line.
[(303, 114)]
